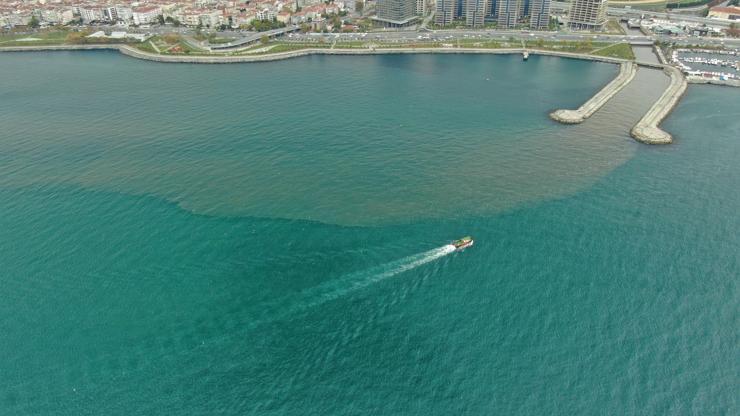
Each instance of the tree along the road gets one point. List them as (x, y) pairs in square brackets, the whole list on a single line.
[(265, 25)]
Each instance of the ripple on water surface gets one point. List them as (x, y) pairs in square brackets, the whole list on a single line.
[(618, 299), (366, 140)]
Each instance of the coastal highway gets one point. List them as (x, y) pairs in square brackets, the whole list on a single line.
[(452, 36), (455, 34)]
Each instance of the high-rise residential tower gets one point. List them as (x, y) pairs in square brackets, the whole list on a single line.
[(492, 8), (509, 13), (539, 14), (395, 13), (420, 7), (587, 14), (445, 12), (474, 12)]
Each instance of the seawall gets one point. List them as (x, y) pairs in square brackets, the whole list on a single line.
[(660, 54), (646, 130), (711, 81), (135, 53), (114, 47), (627, 72), (223, 59)]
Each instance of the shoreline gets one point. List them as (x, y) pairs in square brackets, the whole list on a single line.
[(51, 48), (224, 59), (135, 53), (645, 131)]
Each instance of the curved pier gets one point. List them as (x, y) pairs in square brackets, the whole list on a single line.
[(627, 71), (646, 130)]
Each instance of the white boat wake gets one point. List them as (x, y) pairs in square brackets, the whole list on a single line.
[(359, 280), (352, 282)]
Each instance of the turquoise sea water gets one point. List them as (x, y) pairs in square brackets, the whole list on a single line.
[(267, 239)]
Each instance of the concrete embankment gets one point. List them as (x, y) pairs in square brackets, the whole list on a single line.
[(627, 72), (59, 48), (202, 59), (646, 130), (659, 53), (712, 81), (221, 59)]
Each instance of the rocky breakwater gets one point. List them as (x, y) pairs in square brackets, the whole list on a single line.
[(646, 130), (627, 71)]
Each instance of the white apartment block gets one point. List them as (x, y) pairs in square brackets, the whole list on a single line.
[(146, 15), (125, 14), (91, 15), (266, 14), (211, 19)]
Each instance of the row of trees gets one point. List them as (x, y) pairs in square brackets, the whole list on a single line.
[(169, 19), (265, 25)]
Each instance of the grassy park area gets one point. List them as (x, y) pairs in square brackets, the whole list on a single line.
[(170, 44), (54, 38), (619, 50), (34, 39)]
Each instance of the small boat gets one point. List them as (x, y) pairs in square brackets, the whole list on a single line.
[(463, 243), (525, 55)]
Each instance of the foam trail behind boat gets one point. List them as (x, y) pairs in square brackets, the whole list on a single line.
[(365, 278), (340, 287), (291, 305)]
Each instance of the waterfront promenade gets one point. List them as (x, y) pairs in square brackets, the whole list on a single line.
[(226, 59)]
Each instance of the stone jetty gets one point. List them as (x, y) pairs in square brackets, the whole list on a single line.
[(646, 130), (627, 71)]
